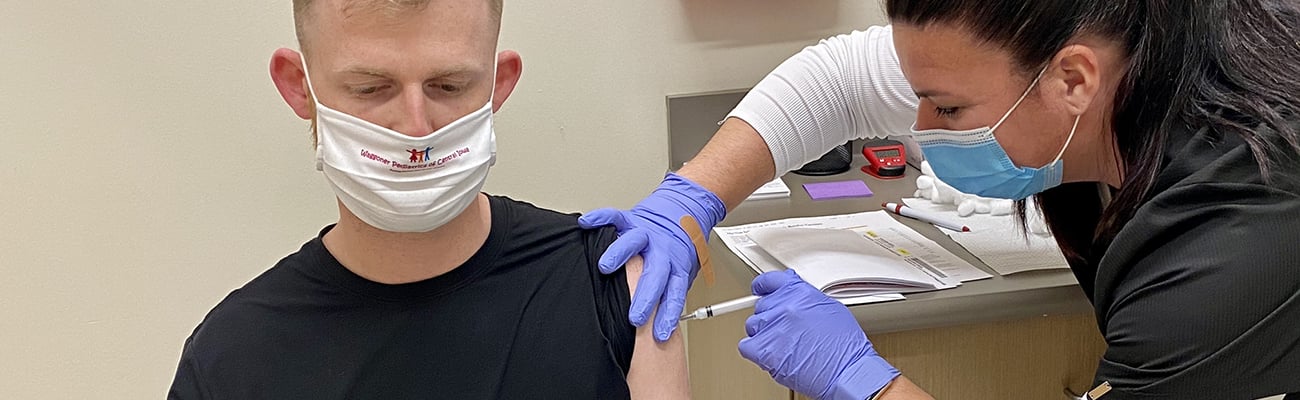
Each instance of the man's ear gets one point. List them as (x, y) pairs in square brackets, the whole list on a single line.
[(509, 68), (291, 81), (1080, 73)]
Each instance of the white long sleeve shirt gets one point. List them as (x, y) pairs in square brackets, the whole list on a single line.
[(845, 87)]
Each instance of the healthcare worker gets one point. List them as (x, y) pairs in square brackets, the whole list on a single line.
[(1161, 139)]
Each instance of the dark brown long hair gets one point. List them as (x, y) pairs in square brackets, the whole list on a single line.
[(1229, 65)]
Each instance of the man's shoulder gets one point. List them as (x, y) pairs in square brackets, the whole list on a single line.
[(239, 320), (531, 221), (220, 327), (551, 242), (524, 211), (234, 318)]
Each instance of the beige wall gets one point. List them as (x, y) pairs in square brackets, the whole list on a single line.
[(147, 166)]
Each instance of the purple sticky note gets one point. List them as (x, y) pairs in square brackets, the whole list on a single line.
[(837, 190)]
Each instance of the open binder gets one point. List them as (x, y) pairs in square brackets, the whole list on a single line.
[(847, 263)]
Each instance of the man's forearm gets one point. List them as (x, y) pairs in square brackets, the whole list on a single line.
[(733, 164)]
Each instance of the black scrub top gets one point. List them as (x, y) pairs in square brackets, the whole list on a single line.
[(529, 316), (1198, 295)]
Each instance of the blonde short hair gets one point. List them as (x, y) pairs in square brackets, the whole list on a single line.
[(301, 8), (301, 15)]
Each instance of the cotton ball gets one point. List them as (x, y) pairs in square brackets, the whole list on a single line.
[(924, 182), (942, 196), (924, 187), (946, 194), (1000, 207), (937, 194), (959, 197), (982, 206), (966, 208)]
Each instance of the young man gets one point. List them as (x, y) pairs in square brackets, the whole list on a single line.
[(425, 288)]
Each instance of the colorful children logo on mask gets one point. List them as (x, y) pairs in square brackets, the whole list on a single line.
[(418, 155), (419, 159)]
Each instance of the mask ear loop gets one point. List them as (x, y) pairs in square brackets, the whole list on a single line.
[(306, 76), (491, 105), (1068, 138), (496, 62), (1022, 98), (311, 92)]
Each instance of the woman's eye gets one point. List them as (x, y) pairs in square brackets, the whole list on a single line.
[(945, 111)]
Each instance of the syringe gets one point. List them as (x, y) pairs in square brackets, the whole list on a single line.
[(707, 312)]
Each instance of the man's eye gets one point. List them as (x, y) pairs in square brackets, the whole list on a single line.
[(945, 111), (445, 88), (364, 90)]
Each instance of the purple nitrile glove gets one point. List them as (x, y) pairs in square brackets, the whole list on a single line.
[(811, 343), (651, 229)]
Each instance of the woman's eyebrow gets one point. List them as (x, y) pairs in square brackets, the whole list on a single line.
[(931, 93)]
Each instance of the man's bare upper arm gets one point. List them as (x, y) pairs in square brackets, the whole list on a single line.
[(658, 369)]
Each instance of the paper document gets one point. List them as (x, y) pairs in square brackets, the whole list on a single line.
[(844, 262), (771, 190), (876, 227), (998, 241)]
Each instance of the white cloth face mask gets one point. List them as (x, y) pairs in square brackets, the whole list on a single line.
[(400, 183)]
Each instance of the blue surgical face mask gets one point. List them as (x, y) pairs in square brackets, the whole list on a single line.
[(973, 162)]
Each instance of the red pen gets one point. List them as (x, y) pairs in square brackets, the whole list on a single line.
[(909, 212)]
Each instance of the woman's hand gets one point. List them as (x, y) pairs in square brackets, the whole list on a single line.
[(810, 342)]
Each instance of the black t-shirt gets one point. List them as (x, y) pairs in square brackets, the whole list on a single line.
[(529, 316), (1198, 296)]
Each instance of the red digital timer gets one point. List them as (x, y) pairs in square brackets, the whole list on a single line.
[(885, 159)]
